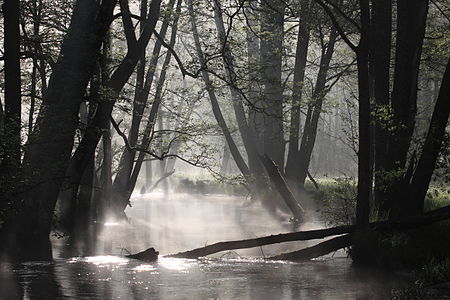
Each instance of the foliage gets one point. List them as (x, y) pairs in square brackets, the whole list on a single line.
[(437, 197), (337, 200), (433, 273), (207, 186)]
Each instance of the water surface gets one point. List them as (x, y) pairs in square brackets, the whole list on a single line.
[(181, 222)]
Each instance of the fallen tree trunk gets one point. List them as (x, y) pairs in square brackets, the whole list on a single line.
[(267, 240), (318, 250), (282, 187)]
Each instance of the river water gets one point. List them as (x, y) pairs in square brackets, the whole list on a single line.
[(180, 222)]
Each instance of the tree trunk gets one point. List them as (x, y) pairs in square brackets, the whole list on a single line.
[(280, 184), (241, 164), (122, 197), (272, 21), (255, 115), (10, 160), (142, 91), (301, 55), (314, 111), (433, 143), (319, 249), (225, 160), (118, 79), (50, 145), (104, 201), (411, 23), (364, 174), (265, 240), (382, 20)]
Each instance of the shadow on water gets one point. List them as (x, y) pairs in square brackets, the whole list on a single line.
[(96, 268)]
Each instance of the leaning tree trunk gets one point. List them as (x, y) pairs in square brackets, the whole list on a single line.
[(254, 159), (117, 81), (314, 110), (241, 164), (433, 143), (142, 90), (122, 196)]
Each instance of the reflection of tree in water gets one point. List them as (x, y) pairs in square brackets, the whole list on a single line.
[(39, 281), (9, 283), (82, 241)]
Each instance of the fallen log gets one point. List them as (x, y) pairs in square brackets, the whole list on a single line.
[(149, 255), (266, 240), (282, 187), (320, 249), (384, 227)]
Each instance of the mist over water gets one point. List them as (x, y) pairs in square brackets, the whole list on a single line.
[(178, 222)]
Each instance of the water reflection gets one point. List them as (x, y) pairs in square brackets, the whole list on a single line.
[(107, 277), (179, 223)]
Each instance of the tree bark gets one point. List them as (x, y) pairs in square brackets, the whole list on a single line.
[(10, 154), (318, 250), (262, 241), (280, 184), (112, 89), (50, 145), (301, 55), (364, 167), (382, 21), (272, 21), (411, 23)]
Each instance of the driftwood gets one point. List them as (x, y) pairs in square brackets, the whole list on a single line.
[(321, 248), (149, 255), (282, 187)]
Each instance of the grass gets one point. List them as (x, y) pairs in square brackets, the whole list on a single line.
[(437, 197), (207, 185), (335, 199)]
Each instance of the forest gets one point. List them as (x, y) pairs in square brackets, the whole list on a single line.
[(330, 111)]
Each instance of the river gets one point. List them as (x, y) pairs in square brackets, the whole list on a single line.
[(180, 222)]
